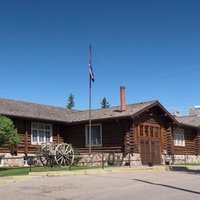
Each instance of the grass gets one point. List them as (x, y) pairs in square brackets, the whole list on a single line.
[(187, 164), (19, 171)]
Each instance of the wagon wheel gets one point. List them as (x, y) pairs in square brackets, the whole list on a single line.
[(47, 154), (64, 154), (47, 160)]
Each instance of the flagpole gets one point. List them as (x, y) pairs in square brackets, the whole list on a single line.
[(90, 101), (90, 121)]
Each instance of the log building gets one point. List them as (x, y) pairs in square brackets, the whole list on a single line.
[(146, 131)]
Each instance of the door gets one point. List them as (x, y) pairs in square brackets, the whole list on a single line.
[(150, 150), (145, 153), (155, 152)]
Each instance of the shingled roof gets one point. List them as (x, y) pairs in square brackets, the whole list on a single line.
[(32, 110), (45, 112), (189, 120), (109, 113)]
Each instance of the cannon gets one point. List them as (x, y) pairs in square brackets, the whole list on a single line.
[(52, 154)]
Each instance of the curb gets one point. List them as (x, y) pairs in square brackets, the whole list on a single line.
[(12, 179), (100, 171)]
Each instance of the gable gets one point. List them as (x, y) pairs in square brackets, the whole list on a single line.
[(156, 112)]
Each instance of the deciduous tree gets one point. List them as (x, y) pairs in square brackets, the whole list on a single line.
[(8, 133)]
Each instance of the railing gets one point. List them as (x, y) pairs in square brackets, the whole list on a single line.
[(82, 160), (98, 160), (183, 159)]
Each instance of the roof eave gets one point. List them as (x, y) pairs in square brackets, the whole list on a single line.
[(188, 125), (34, 118), (156, 103)]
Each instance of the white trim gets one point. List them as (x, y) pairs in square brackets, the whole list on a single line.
[(42, 125), (179, 138), (86, 132), (1, 161)]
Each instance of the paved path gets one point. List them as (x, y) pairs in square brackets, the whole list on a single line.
[(140, 185)]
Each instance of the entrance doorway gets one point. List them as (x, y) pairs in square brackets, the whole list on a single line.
[(150, 150)]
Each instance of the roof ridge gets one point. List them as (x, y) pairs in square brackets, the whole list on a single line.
[(112, 107), (188, 116)]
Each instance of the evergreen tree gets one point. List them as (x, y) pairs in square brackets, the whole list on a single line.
[(105, 103), (70, 102), (8, 133)]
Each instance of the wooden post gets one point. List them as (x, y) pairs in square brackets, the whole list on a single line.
[(129, 158), (26, 139), (102, 161), (198, 140), (58, 135)]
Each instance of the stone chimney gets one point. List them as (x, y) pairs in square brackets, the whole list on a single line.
[(123, 98)]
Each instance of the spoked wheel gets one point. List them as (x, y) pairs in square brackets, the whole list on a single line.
[(47, 160), (46, 155), (64, 154)]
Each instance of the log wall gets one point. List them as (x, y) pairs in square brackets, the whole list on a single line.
[(24, 130)]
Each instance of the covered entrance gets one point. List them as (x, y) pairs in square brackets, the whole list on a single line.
[(150, 150)]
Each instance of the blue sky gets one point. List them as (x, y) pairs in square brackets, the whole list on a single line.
[(150, 47)]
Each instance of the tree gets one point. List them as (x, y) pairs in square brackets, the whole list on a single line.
[(70, 102), (8, 133), (105, 103)]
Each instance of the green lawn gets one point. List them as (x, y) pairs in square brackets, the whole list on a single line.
[(187, 164), (14, 171)]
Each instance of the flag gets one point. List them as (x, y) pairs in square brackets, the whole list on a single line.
[(91, 71), (90, 67)]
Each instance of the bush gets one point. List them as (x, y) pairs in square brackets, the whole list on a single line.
[(8, 133)]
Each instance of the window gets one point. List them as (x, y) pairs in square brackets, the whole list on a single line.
[(96, 135), (156, 131), (141, 130), (179, 137), (1, 161), (146, 131), (149, 131), (41, 133)]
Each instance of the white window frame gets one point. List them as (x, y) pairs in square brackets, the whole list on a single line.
[(38, 129), (1, 161), (179, 138), (87, 137)]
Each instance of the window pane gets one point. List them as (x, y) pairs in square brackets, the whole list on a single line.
[(151, 131), (34, 126), (179, 137), (47, 133), (141, 130), (146, 131), (41, 127), (35, 136), (95, 135), (41, 136), (41, 133), (156, 131), (47, 127)]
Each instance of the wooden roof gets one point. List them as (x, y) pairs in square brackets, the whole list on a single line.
[(189, 120), (132, 110), (32, 110), (45, 112), (109, 113)]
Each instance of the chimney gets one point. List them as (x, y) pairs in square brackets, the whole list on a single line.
[(123, 98)]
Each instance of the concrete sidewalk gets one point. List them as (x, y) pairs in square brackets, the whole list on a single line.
[(107, 170)]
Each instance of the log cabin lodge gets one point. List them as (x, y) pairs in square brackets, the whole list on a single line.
[(145, 131)]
